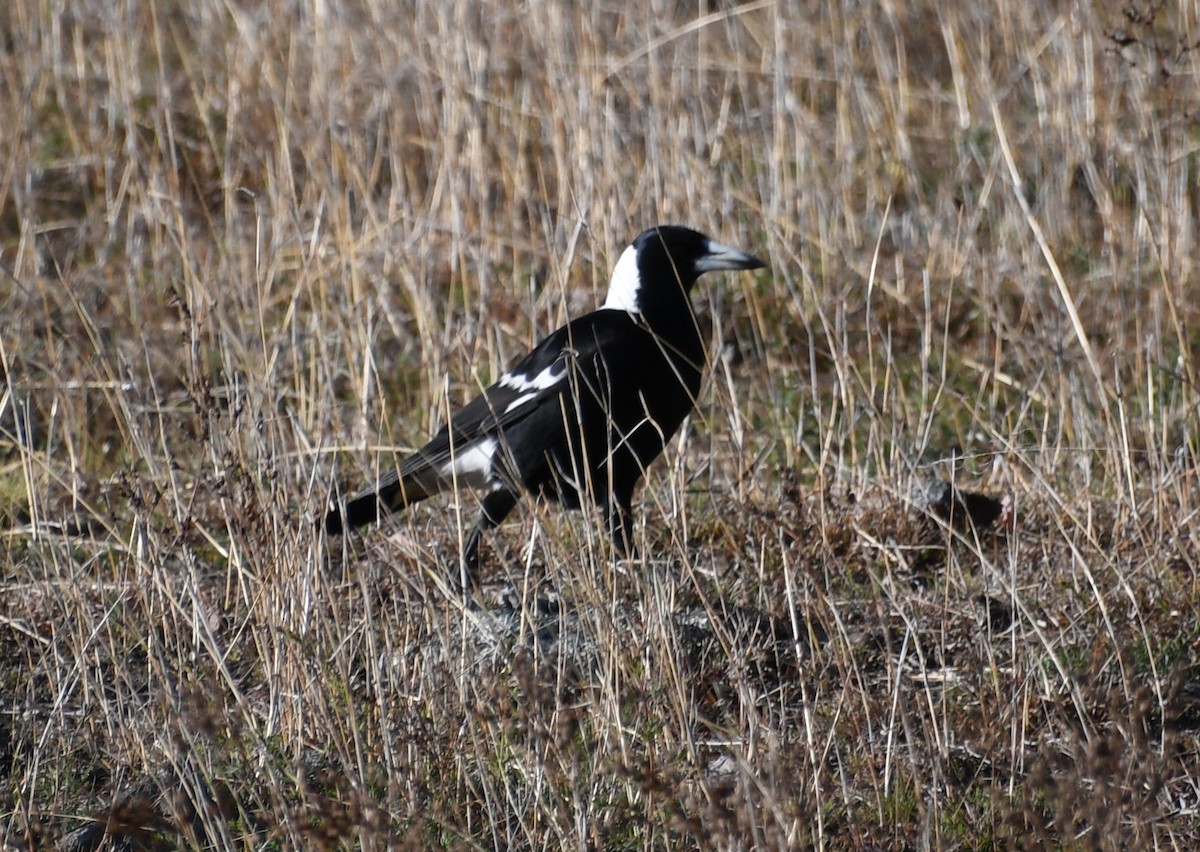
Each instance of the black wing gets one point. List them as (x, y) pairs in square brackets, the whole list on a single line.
[(540, 378), (576, 358)]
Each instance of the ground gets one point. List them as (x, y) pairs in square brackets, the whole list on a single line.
[(921, 571)]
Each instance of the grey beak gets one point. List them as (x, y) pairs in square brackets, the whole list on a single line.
[(725, 257)]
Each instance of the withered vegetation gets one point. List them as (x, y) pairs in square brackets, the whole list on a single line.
[(922, 571)]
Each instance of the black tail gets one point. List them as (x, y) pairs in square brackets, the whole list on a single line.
[(390, 495), (357, 513)]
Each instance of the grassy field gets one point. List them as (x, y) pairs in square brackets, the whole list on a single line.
[(923, 570)]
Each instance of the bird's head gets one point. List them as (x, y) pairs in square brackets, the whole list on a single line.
[(658, 270)]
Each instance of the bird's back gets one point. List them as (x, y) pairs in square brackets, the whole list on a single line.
[(626, 391)]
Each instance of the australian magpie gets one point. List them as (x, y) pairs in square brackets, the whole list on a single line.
[(584, 414)]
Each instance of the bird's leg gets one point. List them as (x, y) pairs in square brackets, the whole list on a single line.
[(620, 527), (494, 508)]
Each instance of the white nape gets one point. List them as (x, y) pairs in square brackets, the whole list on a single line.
[(625, 285)]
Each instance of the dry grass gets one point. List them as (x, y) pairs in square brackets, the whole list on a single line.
[(250, 250)]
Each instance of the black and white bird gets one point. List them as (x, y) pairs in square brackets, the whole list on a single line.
[(583, 415)]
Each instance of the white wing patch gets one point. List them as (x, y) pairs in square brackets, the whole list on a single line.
[(547, 378), (519, 401), (626, 284), (473, 466)]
